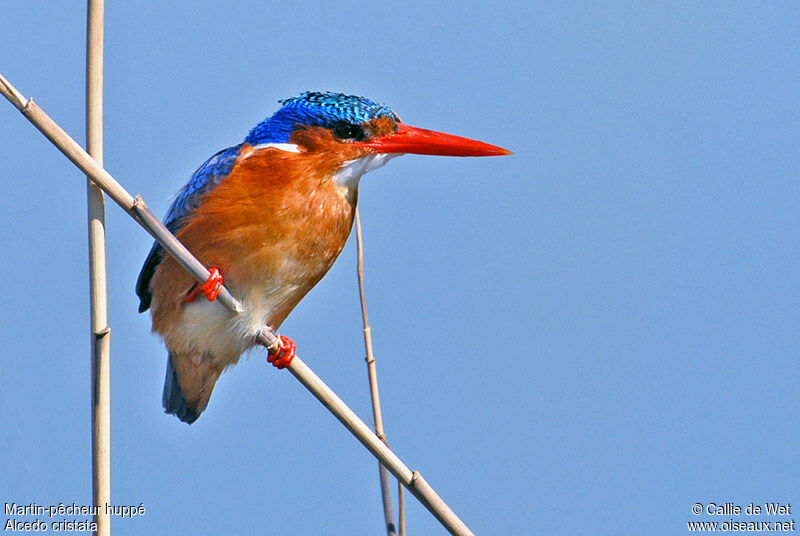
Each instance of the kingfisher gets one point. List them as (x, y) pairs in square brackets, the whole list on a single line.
[(270, 215)]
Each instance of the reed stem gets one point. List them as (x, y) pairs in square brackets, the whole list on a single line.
[(100, 332)]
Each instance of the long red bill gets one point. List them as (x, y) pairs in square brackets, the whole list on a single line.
[(415, 140)]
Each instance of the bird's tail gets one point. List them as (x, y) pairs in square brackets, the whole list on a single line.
[(188, 385)]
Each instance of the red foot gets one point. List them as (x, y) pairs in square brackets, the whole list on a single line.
[(210, 288), (287, 349)]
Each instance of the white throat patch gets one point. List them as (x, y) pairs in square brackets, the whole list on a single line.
[(351, 171)]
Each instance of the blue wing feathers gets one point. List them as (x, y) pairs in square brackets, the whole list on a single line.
[(205, 179)]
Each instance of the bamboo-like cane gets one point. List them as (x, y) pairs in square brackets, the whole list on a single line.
[(386, 490), (101, 333), (137, 209), (401, 505)]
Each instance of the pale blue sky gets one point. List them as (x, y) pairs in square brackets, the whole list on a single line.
[(605, 324)]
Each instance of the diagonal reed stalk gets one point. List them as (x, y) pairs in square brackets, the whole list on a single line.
[(137, 209), (386, 493)]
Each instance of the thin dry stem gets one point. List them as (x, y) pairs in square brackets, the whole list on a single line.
[(401, 505), (386, 493)]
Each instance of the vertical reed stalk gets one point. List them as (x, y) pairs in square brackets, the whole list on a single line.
[(401, 505), (100, 332), (386, 493)]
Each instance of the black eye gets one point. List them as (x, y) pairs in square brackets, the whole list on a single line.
[(348, 131)]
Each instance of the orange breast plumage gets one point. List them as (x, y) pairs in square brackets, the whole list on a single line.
[(274, 226)]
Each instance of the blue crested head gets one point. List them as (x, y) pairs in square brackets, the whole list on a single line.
[(316, 109)]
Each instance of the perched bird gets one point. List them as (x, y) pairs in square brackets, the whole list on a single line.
[(271, 215)]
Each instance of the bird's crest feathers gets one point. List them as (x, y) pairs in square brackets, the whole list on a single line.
[(316, 109)]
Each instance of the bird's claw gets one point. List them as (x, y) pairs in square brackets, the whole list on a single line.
[(210, 288), (282, 357), (213, 284)]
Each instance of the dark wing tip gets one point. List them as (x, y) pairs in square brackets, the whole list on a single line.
[(143, 282), (173, 401)]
